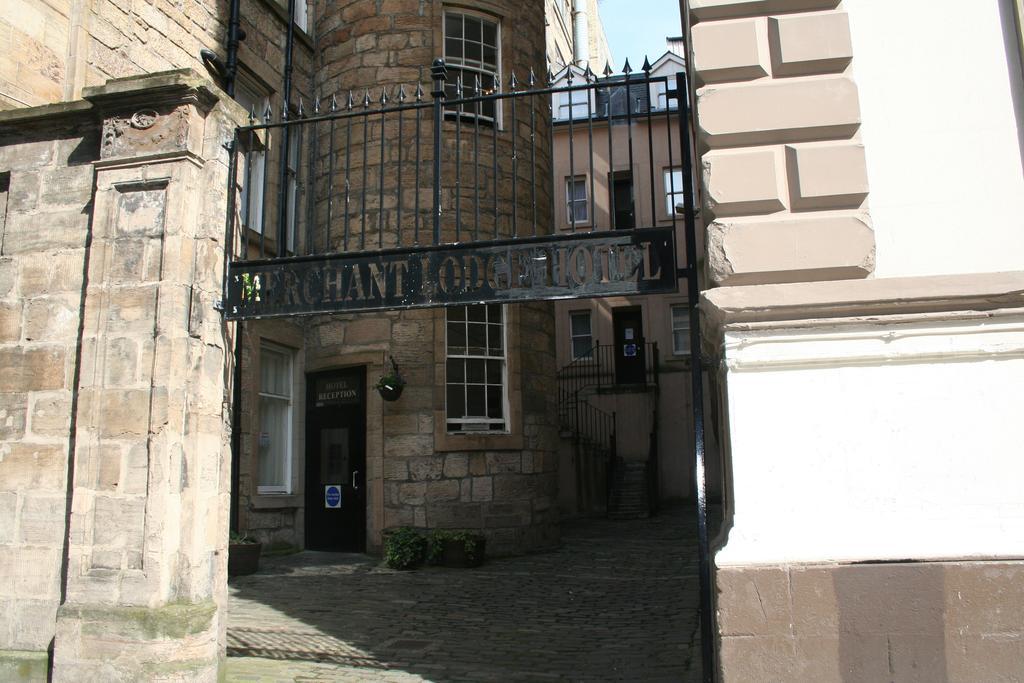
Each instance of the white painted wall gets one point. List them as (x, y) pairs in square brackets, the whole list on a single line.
[(880, 442), (941, 134)]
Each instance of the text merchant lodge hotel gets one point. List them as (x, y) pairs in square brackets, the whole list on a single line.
[(858, 165)]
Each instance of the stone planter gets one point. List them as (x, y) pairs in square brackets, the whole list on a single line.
[(244, 558), (453, 553)]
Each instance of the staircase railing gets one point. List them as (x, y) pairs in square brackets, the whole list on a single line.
[(597, 368)]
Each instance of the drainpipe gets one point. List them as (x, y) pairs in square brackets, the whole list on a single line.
[(580, 33), (235, 35)]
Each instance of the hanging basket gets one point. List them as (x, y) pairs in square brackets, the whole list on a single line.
[(390, 392), (390, 385)]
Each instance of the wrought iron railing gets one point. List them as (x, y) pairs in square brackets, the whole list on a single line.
[(601, 367), (411, 170)]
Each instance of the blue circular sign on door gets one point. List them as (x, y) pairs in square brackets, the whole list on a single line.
[(332, 496)]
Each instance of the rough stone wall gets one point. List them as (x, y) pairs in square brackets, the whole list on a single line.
[(45, 196), (53, 48), (785, 181), (419, 475)]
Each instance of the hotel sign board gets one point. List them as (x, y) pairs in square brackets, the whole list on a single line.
[(568, 266)]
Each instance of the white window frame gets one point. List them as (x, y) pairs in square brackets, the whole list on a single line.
[(478, 424), (570, 183), (659, 94), (674, 192), (680, 323), (589, 355), (473, 66), (580, 98), (253, 174), (301, 15), (289, 355)]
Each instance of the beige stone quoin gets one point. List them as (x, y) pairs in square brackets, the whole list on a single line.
[(785, 185)]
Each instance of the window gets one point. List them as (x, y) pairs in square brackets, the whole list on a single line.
[(275, 437), (471, 51), (581, 335), (674, 193), (255, 102), (659, 90), (578, 109), (301, 15), (680, 329), (292, 173), (576, 200), (475, 369)]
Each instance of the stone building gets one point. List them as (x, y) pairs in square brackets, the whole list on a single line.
[(863, 194), (647, 393), (122, 461)]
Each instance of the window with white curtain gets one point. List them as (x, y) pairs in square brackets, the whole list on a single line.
[(275, 436)]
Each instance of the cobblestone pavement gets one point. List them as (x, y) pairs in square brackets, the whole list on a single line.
[(617, 602)]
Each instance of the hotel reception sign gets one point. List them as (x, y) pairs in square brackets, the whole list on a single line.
[(571, 266)]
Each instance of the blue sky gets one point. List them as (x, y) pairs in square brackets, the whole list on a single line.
[(638, 27)]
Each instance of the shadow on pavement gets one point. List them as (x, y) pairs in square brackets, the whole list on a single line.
[(618, 601)]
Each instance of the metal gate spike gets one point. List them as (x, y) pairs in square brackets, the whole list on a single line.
[(627, 69), (512, 82), (607, 70), (647, 65)]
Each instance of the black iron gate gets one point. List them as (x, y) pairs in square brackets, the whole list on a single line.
[(400, 198)]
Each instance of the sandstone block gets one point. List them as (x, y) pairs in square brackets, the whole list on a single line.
[(798, 250), (412, 494), (66, 186), (31, 368), (51, 414), (8, 275), (778, 111), (52, 318), (13, 408), (428, 468), (50, 273), (396, 469), (483, 488), (827, 175), (10, 321), (123, 413), (456, 465), (754, 601), (746, 181), (42, 520), (64, 229), (500, 462), (731, 50), (8, 512), (446, 490), (25, 466), (810, 43)]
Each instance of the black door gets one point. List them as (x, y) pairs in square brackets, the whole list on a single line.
[(622, 193), (336, 460), (629, 346)]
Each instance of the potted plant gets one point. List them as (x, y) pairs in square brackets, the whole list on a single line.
[(390, 385), (456, 548), (243, 554), (404, 548)]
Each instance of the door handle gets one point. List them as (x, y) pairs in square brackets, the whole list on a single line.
[(354, 473)]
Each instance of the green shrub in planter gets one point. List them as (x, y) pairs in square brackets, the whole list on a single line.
[(456, 548), (404, 548)]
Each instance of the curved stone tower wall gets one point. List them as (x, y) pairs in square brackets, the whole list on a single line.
[(417, 473)]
